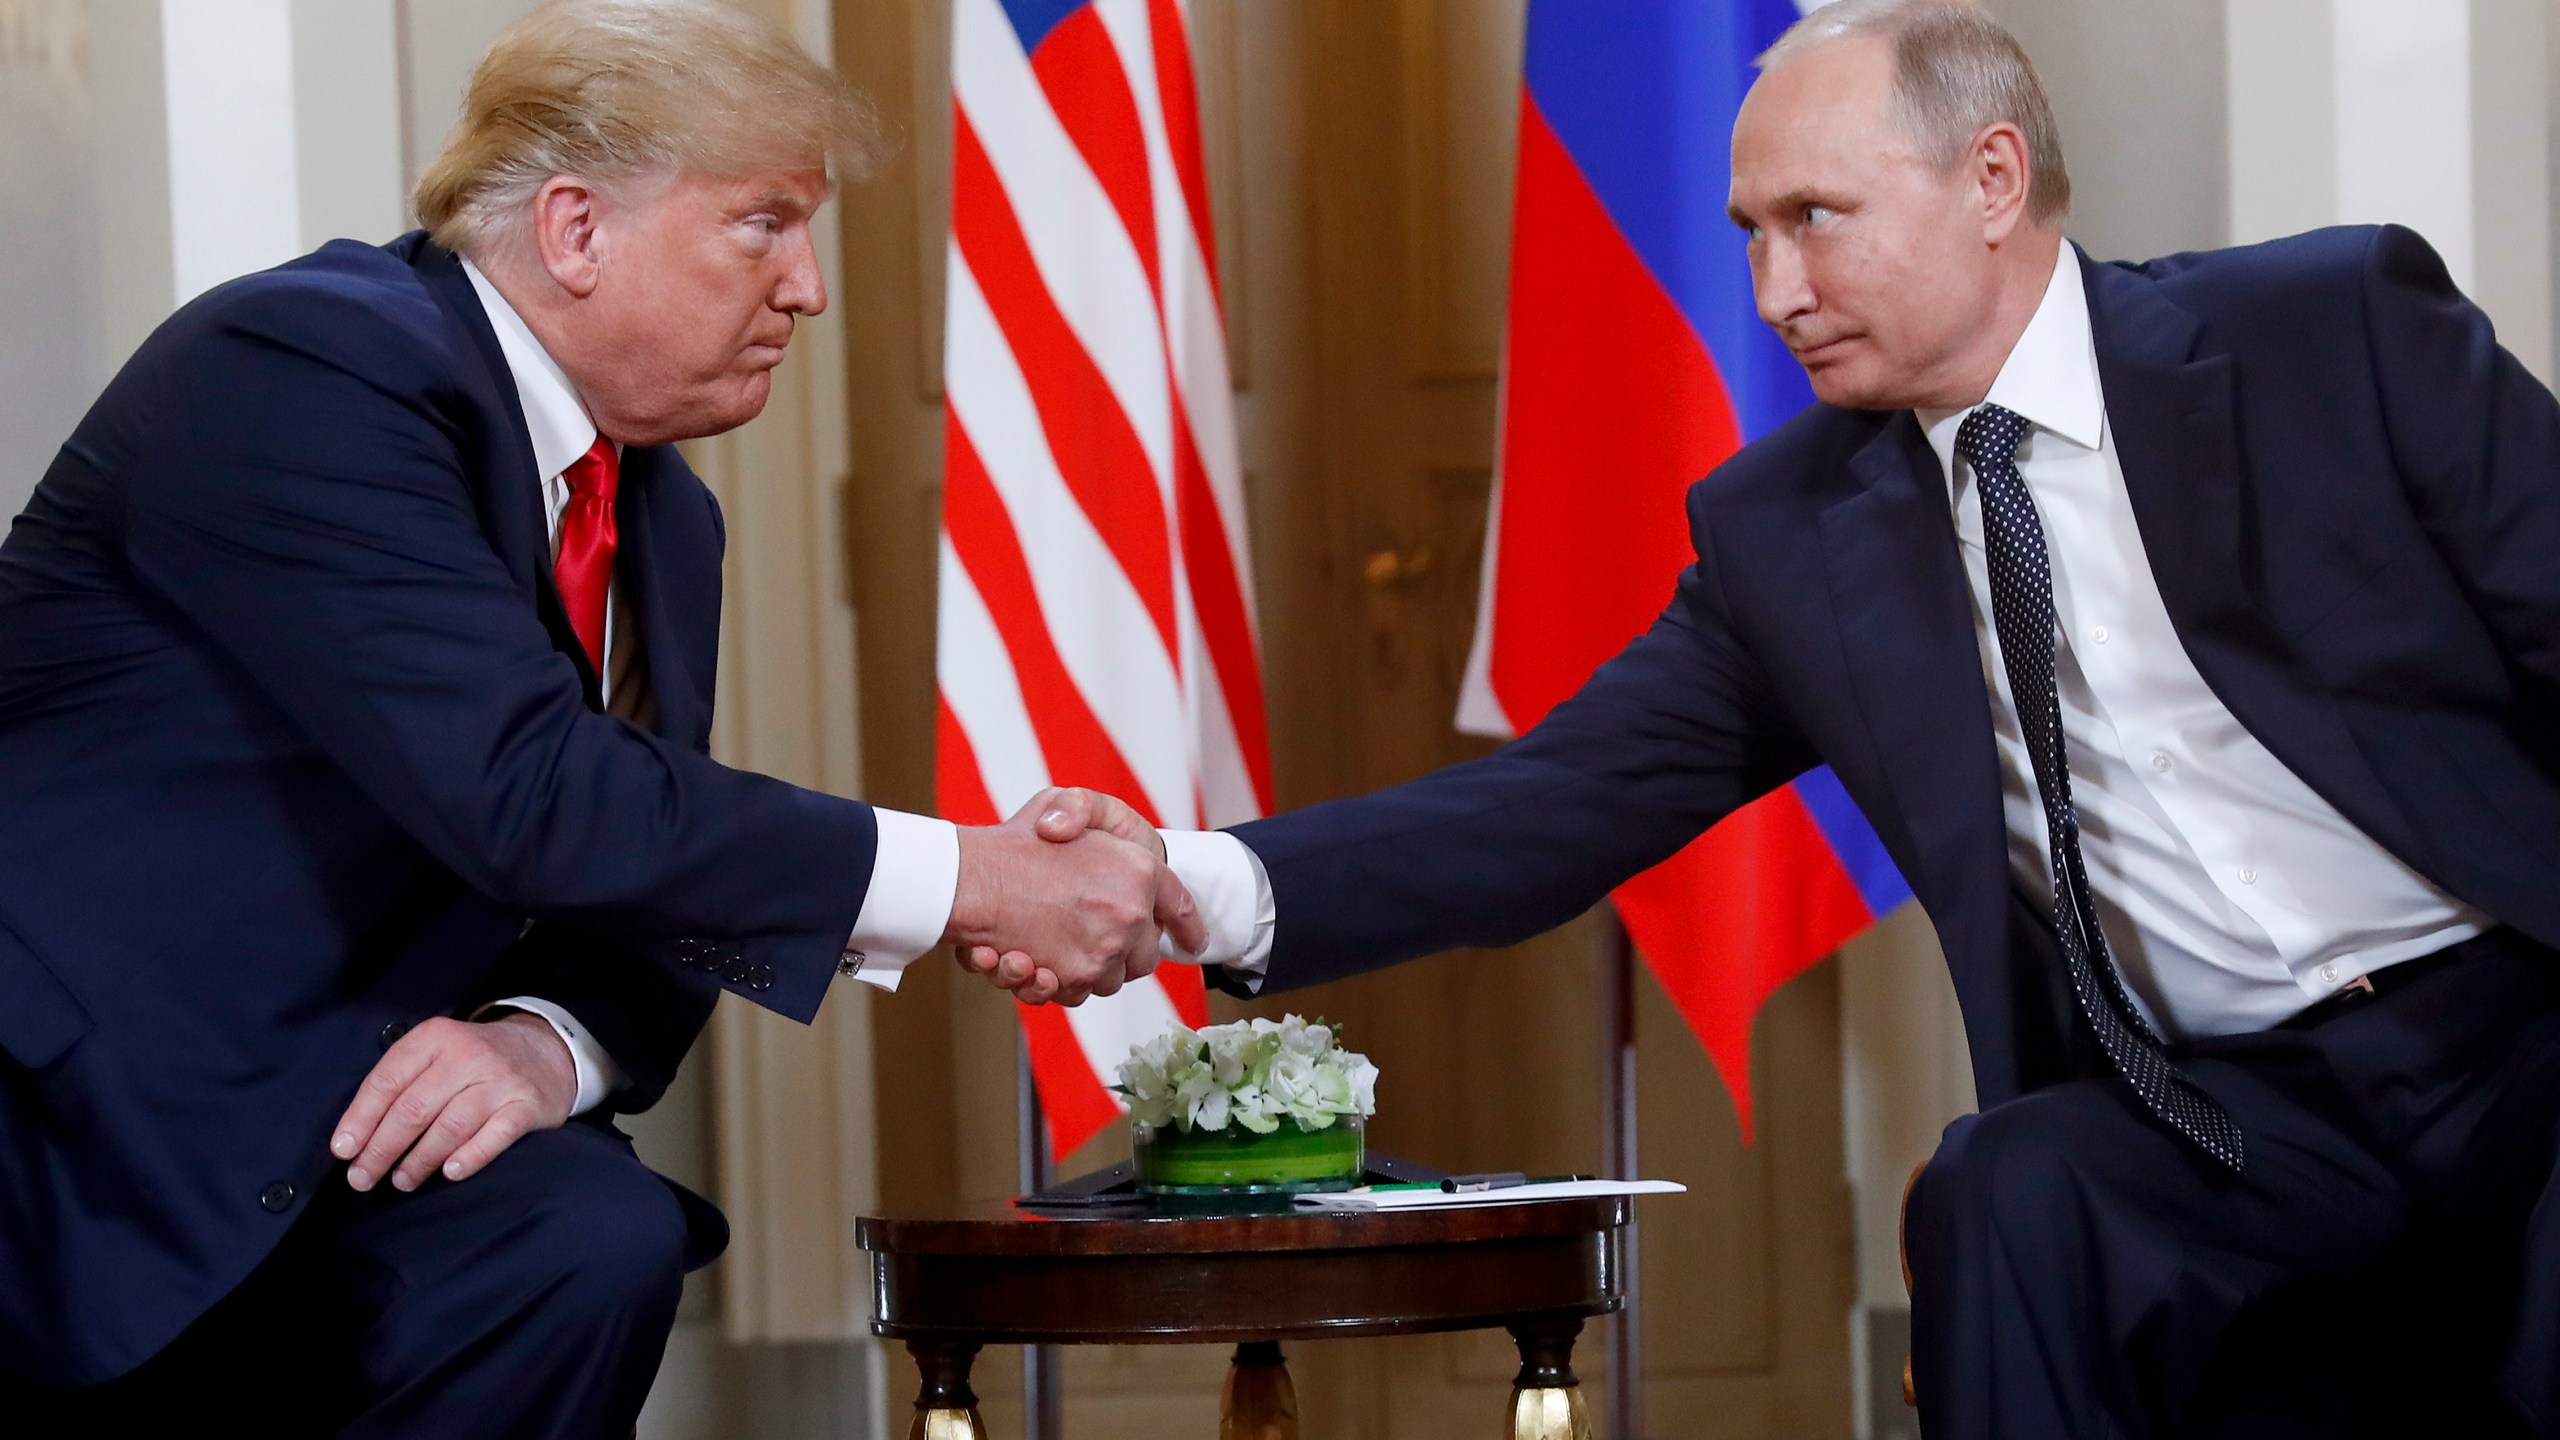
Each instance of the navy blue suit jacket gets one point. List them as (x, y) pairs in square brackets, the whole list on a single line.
[(298, 748), (2350, 497)]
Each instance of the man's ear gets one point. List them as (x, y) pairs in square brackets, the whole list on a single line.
[(565, 234), (1999, 164)]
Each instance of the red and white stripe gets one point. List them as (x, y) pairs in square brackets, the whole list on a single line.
[(1096, 622)]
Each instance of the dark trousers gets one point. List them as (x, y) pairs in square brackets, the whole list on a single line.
[(2389, 1264), (533, 1299)]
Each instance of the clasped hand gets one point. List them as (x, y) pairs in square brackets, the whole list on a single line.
[(1067, 899)]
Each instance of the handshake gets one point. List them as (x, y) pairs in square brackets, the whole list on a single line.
[(1067, 899)]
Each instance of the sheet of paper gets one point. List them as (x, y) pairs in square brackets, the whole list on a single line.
[(1436, 1199)]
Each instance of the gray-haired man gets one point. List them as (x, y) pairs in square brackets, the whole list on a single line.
[(2190, 633)]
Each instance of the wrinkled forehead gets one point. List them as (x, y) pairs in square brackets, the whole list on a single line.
[(1824, 116), (791, 190)]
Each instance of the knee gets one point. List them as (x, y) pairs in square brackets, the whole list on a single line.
[(611, 1238), (2012, 1174)]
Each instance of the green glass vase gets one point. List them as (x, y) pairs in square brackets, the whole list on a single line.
[(1204, 1164)]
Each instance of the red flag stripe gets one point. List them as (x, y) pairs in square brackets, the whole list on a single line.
[(1734, 916), (1226, 626), (959, 791), (1179, 96), (1189, 993), (1078, 750), (1096, 448), (1081, 74), (1072, 1094), (1589, 534)]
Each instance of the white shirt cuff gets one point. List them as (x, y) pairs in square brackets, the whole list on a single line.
[(915, 876), (598, 1076), (1234, 894)]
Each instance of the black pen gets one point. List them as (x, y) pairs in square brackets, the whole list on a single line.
[(1502, 1180)]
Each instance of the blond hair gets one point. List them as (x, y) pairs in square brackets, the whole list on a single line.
[(615, 91), (1956, 71)]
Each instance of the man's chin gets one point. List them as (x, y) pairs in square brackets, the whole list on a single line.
[(1842, 386), (744, 401)]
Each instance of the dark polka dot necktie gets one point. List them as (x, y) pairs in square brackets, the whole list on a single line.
[(2023, 616)]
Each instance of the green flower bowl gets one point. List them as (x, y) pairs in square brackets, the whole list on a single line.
[(1204, 1164)]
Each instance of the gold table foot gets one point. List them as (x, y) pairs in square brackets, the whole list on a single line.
[(1546, 1399), (946, 1408), (1258, 1403)]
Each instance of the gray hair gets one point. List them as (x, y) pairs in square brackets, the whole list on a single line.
[(1956, 71)]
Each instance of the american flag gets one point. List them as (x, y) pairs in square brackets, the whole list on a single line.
[(1096, 625)]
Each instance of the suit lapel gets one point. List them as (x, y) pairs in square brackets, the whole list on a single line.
[(2174, 415), (511, 506), (1906, 627), (2176, 439), (645, 587)]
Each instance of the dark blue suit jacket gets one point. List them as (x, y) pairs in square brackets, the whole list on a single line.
[(2350, 497), (298, 748)]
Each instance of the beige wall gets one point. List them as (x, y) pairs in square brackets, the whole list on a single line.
[(51, 361), (2138, 92)]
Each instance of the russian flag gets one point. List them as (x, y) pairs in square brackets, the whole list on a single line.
[(1633, 365)]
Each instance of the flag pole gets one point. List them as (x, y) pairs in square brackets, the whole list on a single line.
[(1043, 1407), (1618, 1159)]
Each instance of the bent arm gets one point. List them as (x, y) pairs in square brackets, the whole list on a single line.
[(317, 523), (2477, 439)]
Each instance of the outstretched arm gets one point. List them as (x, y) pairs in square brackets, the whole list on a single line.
[(1669, 737)]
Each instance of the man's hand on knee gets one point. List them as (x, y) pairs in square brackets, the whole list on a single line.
[(453, 1095)]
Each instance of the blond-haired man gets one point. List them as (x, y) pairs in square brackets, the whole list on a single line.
[(355, 677)]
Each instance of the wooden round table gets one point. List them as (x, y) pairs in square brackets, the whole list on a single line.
[(1000, 1275)]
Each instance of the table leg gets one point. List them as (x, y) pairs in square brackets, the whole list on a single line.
[(1259, 1402), (946, 1408), (1546, 1400)]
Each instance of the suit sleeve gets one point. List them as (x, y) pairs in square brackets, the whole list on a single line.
[(1673, 734), (645, 1015), (2477, 439), (301, 497)]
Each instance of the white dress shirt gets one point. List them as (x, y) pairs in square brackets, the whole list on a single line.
[(914, 854), (2232, 895)]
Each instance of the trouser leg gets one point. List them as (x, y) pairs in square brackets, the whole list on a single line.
[(2075, 1267), (532, 1300)]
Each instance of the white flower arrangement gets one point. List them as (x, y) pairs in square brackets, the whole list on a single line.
[(1253, 1073)]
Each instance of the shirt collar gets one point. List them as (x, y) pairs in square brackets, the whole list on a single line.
[(2051, 376), (554, 418)]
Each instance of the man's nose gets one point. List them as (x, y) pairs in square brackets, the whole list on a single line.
[(803, 290), (1778, 284)]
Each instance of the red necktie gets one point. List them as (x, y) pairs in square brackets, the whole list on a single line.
[(584, 570)]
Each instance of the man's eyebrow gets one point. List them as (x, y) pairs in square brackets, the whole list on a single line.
[(782, 200), (1786, 204)]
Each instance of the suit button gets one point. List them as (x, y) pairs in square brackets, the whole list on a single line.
[(759, 977), (392, 1032), (688, 954), (735, 972), (276, 1198)]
